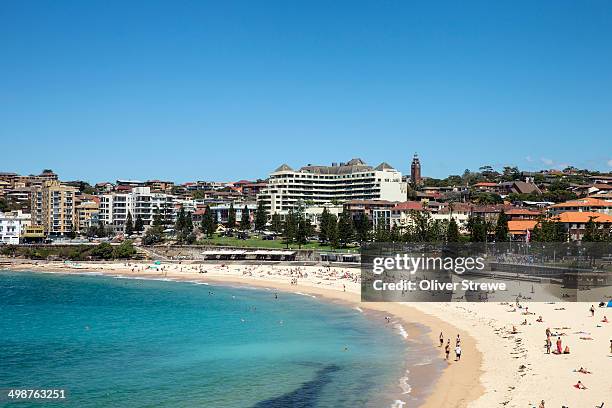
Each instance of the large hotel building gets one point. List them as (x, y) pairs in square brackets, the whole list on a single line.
[(319, 185)]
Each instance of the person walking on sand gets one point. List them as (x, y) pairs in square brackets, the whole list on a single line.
[(592, 309), (548, 345), (559, 346), (458, 341), (541, 404), (447, 349), (458, 353), (441, 339)]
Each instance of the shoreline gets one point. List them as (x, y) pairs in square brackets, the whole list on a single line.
[(456, 385)]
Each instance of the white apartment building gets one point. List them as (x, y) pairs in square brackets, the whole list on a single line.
[(12, 226), (318, 185), (139, 201)]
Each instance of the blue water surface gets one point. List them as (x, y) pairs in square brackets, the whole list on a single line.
[(142, 343)]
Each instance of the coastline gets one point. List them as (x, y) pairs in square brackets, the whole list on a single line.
[(457, 385)]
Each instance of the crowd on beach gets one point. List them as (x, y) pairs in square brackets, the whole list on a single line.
[(447, 347)]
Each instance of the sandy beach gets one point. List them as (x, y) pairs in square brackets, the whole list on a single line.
[(497, 368)]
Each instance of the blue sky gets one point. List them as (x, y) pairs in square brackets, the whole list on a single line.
[(189, 90)]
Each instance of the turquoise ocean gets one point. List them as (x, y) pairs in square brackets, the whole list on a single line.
[(121, 342)]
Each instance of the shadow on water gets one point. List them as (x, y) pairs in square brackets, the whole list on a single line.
[(304, 396)]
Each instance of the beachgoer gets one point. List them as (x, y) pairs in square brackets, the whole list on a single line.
[(458, 353), (605, 319), (540, 319), (559, 346), (592, 309), (447, 348), (541, 404), (458, 341), (566, 350), (441, 339), (548, 345), (580, 386)]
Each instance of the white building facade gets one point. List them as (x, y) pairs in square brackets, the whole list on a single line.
[(139, 202), (318, 185), (12, 226)]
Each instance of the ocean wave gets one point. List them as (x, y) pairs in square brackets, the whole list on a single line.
[(198, 282), (404, 384), (424, 362), (357, 308), (398, 404), (402, 331), (305, 294)]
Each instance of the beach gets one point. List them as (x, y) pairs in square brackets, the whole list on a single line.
[(497, 368)]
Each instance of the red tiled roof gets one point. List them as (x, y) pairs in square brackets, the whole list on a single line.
[(583, 202), (521, 226), (583, 217), (409, 205)]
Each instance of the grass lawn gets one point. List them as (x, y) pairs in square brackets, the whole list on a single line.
[(270, 244)]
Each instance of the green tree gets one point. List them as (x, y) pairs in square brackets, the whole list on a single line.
[(180, 223), (324, 226), (139, 224), (548, 231), (129, 225), (158, 220), (245, 220), (381, 234), (477, 228), (591, 232), (124, 250), (452, 231), (302, 231), (346, 229), (363, 227), (4, 205), (153, 235), (231, 216), (208, 222), (290, 228), (103, 250), (501, 228), (261, 217), (102, 231), (276, 224)]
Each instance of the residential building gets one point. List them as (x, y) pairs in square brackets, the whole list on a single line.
[(19, 197), (86, 215), (12, 226), (515, 214), (221, 212), (4, 187), (9, 178), (53, 207), (139, 202), (587, 204), (358, 208), (520, 229), (575, 222), (317, 185), (159, 186)]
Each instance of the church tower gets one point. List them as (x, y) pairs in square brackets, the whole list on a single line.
[(415, 171)]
